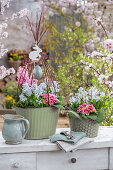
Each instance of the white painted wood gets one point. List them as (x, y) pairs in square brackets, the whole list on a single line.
[(111, 159), (91, 159), (104, 139), (20, 161), (48, 156)]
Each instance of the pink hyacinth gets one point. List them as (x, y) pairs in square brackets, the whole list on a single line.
[(52, 99), (23, 77)]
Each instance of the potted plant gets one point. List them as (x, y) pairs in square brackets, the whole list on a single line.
[(41, 111), (37, 98), (14, 58), (86, 111), (39, 104)]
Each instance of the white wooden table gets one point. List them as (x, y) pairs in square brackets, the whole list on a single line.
[(43, 155)]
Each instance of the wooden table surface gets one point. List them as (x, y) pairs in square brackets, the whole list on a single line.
[(103, 140)]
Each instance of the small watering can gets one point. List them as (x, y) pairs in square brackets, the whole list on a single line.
[(14, 129)]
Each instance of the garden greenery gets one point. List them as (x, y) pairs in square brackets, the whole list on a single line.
[(65, 45)]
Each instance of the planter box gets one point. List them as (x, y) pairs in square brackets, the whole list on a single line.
[(90, 127), (43, 121)]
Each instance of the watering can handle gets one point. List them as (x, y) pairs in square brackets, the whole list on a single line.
[(27, 125)]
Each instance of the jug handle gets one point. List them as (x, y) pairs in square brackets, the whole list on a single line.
[(27, 125)]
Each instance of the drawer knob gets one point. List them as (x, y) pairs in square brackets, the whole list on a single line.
[(15, 165), (73, 160)]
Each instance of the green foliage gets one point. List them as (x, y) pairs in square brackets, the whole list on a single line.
[(59, 106), (73, 114), (32, 102), (98, 104), (104, 68), (100, 116), (64, 45), (10, 89)]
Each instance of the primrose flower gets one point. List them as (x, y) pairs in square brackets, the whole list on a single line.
[(52, 99), (86, 111), (80, 109), (91, 108)]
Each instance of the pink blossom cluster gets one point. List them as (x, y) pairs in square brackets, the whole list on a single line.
[(4, 3), (103, 79), (23, 77), (20, 14), (5, 72), (96, 54), (86, 109), (108, 44), (52, 99)]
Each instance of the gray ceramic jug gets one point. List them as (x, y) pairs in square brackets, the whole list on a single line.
[(14, 129)]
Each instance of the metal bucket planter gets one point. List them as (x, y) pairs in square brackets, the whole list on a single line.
[(43, 121), (90, 127)]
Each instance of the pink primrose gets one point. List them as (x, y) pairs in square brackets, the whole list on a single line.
[(52, 99), (91, 107), (51, 102), (56, 101), (84, 104), (80, 109), (86, 111)]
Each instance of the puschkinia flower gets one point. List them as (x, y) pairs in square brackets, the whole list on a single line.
[(86, 96), (22, 98), (39, 93), (86, 109), (26, 90), (50, 99), (54, 88)]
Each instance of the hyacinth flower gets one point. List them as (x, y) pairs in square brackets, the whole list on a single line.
[(37, 96), (87, 104)]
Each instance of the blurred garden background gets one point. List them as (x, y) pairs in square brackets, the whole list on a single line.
[(78, 43)]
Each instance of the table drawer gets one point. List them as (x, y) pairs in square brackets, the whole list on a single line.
[(91, 159), (19, 161)]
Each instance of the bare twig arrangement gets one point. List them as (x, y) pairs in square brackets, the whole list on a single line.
[(37, 29)]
